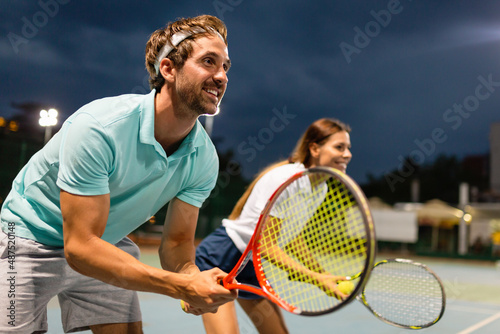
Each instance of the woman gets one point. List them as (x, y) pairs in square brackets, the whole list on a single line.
[(326, 142)]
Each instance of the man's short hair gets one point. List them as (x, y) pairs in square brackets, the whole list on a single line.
[(199, 26)]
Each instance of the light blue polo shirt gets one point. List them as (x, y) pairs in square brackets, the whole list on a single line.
[(108, 146)]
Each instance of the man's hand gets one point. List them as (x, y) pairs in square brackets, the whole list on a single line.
[(204, 294)]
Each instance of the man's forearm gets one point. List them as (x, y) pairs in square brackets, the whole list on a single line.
[(103, 261), (178, 257)]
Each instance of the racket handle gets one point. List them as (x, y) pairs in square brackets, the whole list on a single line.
[(220, 281)]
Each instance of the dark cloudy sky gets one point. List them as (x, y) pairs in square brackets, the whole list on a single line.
[(412, 78)]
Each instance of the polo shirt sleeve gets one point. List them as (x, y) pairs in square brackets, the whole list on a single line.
[(86, 157), (204, 175)]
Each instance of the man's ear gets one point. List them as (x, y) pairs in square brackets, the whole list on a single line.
[(167, 69), (314, 150)]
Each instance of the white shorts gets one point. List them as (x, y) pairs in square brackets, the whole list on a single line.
[(33, 273)]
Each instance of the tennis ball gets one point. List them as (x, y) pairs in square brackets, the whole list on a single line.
[(183, 306), (346, 287)]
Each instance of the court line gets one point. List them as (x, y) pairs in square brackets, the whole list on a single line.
[(481, 324), (471, 309)]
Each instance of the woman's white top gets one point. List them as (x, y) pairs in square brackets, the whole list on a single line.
[(241, 229)]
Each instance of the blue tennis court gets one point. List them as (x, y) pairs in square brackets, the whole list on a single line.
[(473, 306)]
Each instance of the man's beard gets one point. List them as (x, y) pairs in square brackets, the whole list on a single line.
[(194, 104)]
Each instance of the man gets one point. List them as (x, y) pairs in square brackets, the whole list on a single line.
[(114, 164)]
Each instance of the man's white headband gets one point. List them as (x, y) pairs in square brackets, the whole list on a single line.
[(176, 39)]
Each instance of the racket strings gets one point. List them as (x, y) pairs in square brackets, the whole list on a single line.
[(321, 228), (404, 294)]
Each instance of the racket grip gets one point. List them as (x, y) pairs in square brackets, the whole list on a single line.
[(220, 281)]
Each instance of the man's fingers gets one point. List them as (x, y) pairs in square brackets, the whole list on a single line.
[(195, 310)]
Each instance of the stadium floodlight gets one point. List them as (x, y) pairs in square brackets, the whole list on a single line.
[(48, 119)]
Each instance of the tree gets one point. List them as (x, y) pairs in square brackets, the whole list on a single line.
[(439, 179)]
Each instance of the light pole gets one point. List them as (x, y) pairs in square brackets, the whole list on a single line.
[(209, 125), (48, 119)]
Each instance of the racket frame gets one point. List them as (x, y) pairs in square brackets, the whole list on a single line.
[(361, 297), (265, 290)]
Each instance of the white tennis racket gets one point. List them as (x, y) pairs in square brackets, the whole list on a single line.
[(405, 294)]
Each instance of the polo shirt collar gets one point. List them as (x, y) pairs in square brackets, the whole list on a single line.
[(197, 136)]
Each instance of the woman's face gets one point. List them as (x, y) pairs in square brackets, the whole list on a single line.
[(335, 152)]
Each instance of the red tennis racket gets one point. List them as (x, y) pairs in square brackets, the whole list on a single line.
[(315, 230)]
